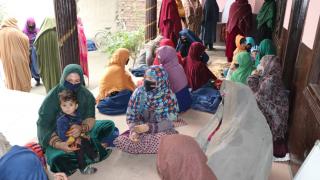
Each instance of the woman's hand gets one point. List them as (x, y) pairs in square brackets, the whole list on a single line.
[(142, 128), (75, 131), (60, 176), (134, 137), (65, 147)]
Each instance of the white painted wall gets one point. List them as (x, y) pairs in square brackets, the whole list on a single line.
[(95, 14), (287, 14), (311, 23)]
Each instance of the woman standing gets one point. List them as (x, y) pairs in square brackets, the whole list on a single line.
[(169, 20), (266, 19), (31, 31), (239, 22), (48, 57), (14, 55), (209, 23), (193, 11), (83, 50)]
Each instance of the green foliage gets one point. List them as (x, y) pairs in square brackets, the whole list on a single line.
[(123, 39)]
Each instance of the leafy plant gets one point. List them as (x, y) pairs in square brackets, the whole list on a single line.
[(123, 39)]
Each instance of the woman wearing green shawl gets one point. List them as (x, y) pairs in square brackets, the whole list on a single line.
[(245, 68), (60, 156), (266, 19), (47, 49), (266, 47)]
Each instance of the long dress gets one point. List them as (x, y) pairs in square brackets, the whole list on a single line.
[(83, 49), (48, 58), (239, 22), (14, 55), (32, 34), (169, 20), (266, 20), (193, 11), (209, 22)]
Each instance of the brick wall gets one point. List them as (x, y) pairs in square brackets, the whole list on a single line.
[(132, 13)]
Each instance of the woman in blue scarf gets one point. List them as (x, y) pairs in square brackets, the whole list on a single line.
[(186, 38)]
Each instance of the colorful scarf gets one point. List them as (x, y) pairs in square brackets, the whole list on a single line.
[(161, 100)]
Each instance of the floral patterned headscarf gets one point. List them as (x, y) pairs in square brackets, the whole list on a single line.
[(161, 100)]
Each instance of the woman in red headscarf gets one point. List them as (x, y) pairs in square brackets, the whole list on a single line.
[(167, 42), (239, 22), (196, 70), (169, 20)]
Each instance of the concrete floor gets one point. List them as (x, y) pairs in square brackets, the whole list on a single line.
[(122, 165)]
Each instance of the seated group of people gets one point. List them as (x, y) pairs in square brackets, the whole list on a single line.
[(186, 68), (72, 139), (260, 69)]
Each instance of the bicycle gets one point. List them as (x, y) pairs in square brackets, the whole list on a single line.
[(101, 37)]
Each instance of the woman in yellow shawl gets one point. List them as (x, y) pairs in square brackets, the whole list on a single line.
[(116, 85), (14, 56)]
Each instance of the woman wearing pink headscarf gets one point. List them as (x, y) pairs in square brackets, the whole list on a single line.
[(177, 78), (83, 48), (31, 30), (181, 158)]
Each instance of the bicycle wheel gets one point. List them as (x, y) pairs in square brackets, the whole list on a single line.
[(100, 39)]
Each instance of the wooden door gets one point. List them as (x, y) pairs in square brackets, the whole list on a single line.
[(277, 34), (305, 127), (296, 25)]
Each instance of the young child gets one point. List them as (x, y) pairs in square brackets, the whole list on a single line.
[(68, 117)]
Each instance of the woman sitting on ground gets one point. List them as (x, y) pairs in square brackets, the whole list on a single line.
[(24, 163), (273, 100), (241, 47), (167, 42), (61, 157), (186, 38), (116, 85), (177, 77), (266, 47), (245, 68), (151, 111), (197, 71), (177, 155)]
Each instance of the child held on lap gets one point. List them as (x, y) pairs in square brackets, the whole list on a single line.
[(68, 117)]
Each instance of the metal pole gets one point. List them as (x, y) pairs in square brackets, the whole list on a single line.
[(66, 18), (151, 20)]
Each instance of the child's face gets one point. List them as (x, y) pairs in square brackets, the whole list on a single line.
[(68, 107)]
